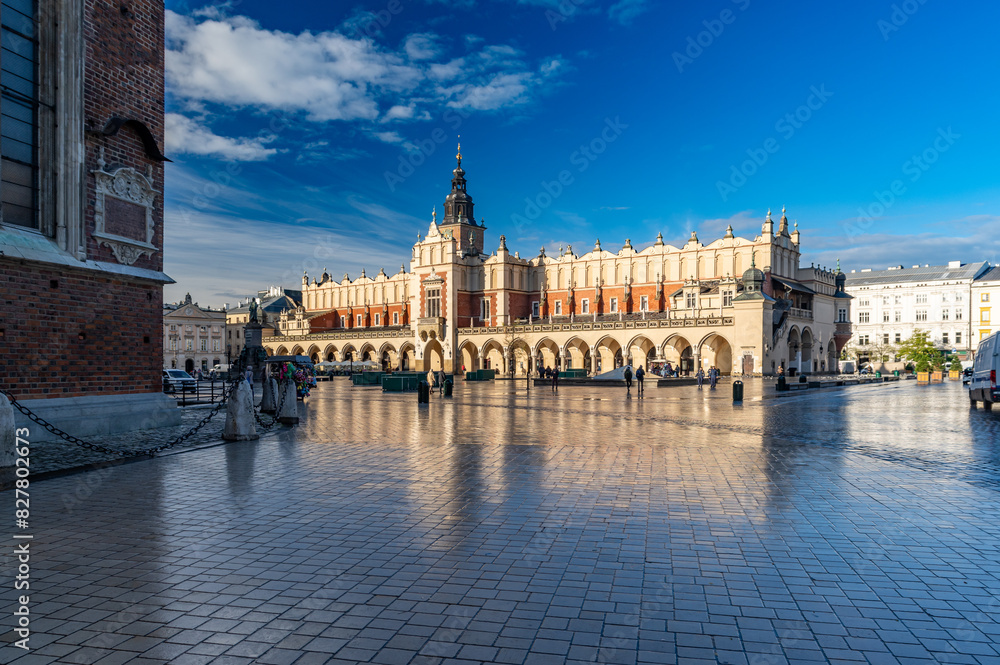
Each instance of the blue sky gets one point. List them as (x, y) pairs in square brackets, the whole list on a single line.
[(314, 135)]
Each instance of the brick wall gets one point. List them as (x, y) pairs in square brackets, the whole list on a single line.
[(43, 355), (123, 77)]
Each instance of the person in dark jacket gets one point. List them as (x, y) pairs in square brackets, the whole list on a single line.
[(640, 373), (628, 379)]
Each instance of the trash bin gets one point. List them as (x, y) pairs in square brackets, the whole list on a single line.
[(895, 372), (737, 391), (878, 375), (448, 385), (423, 393), (803, 378), (782, 383)]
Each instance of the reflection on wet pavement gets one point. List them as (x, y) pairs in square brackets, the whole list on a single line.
[(516, 526)]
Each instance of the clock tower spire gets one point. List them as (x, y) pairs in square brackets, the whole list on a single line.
[(459, 217)]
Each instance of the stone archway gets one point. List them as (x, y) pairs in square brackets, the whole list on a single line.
[(368, 352), (578, 353), (640, 351), (330, 353), (546, 354), (716, 351), (806, 366), (679, 352), (469, 355), (407, 357), (493, 356), (388, 357), (794, 349), (433, 356), (314, 354), (349, 354), (519, 358), (609, 354), (189, 365)]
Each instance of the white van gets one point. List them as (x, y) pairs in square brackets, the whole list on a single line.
[(983, 386)]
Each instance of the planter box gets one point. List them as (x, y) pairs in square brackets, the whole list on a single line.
[(954, 376), (923, 377), (937, 377)]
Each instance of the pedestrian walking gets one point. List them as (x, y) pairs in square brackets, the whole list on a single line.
[(628, 380), (713, 376), (640, 373), (701, 377), (441, 379), (555, 379), (430, 381)]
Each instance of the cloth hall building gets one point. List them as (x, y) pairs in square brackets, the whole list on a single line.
[(742, 305)]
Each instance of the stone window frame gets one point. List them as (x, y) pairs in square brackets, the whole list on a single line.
[(129, 186), (60, 127)]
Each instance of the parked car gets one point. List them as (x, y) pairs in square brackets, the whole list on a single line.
[(220, 371), (178, 379), (983, 386), (967, 375)]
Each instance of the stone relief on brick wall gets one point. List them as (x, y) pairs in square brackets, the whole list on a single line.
[(123, 212)]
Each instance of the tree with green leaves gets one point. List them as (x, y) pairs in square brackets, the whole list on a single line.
[(919, 349)]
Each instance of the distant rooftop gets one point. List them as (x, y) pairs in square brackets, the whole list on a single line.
[(955, 270)]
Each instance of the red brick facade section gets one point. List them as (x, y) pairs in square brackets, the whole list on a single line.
[(123, 78), (43, 354)]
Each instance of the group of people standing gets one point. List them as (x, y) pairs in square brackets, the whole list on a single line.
[(713, 376)]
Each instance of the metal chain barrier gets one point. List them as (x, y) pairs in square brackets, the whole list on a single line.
[(149, 452), (274, 419)]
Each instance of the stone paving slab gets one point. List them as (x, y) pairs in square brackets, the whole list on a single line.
[(504, 527)]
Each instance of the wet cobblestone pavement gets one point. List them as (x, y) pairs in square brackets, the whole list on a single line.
[(849, 526)]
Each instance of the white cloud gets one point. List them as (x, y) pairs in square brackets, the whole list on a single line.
[(329, 76), (388, 137), (186, 136), (422, 46), (626, 11)]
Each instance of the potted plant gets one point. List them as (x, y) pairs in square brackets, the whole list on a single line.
[(937, 369), (923, 368)]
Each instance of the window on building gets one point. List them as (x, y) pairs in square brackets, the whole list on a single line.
[(19, 125), (534, 309), (898, 338), (188, 328), (204, 345), (958, 338), (585, 306), (360, 320), (921, 298), (173, 345), (862, 340), (727, 298), (944, 315), (558, 307), (921, 315), (395, 318), (842, 315), (237, 333), (484, 309), (885, 317), (377, 321), (885, 338), (173, 327), (984, 316), (863, 303), (944, 338), (958, 314), (433, 302), (898, 300), (216, 345), (692, 300), (985, 297), (898, 317), (885, 300), (343, 321), (643, 303), (863, 317), (189, 345), (614, 305)]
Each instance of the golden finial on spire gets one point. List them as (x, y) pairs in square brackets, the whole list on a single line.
[(459, 155)]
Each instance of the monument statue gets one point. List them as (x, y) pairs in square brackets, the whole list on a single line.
[(253, 311)]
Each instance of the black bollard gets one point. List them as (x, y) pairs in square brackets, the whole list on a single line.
[(423, 393), (448, 388), (782, 384), (737, 391)]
